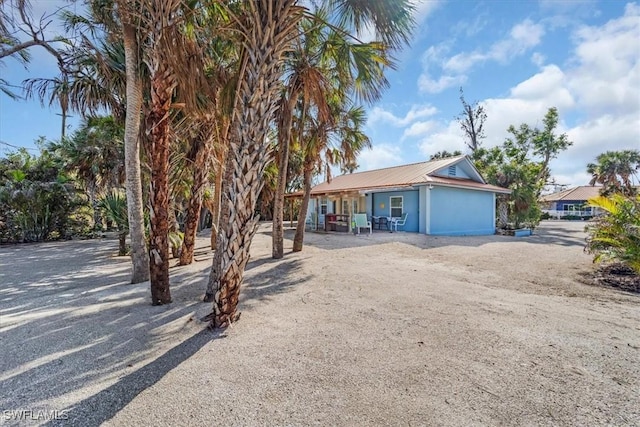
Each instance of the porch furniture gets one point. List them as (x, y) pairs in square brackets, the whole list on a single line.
[(312, 221), (395, 222), (380, 222), (336, 222), (362, 222)]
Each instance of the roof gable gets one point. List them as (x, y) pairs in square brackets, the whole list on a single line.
[(406, 176), (462, 168)]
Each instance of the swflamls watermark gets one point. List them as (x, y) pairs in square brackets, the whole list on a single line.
[(34, 415)]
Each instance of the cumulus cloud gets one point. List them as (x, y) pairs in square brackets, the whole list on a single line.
[(608, 64), (419, 128), (598, 85), (380, 156), (452, 70), (449, 137), (522, 37), (427, 84), (378, 114)]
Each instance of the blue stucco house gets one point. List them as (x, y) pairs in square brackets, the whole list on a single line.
[(440, 197)]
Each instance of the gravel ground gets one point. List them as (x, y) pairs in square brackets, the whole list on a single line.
[(389, 329)]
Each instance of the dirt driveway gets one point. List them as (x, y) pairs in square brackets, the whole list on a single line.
[(389, 329)]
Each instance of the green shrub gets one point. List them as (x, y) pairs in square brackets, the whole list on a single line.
[(615, 236)]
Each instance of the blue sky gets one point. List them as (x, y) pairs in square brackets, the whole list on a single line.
[(518, 58)]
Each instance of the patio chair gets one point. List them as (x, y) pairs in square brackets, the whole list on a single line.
[(395, 222), (361, 222), (311, 222), (383, 222)]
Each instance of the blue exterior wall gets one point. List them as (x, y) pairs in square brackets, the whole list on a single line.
[(560, 204), (410, 205), (459, 212)]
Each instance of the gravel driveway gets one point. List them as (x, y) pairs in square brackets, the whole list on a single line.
[(388, 329)]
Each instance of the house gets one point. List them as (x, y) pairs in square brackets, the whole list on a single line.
[(440, 197), (571, 202)]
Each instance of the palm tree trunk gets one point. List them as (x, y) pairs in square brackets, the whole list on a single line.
[(266, 41), (122, 243), (174, 229), (304, 208), (97, 221), (157, 123), (194, 204), (284, 140), (503, 212), (139, 256)]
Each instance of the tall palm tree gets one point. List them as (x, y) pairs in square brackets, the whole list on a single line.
[(268, 30), (304, 77), (330, 145), (615, 170), (176, 73), (330, 60), (135, 210)]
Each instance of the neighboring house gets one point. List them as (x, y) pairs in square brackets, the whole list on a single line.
[(571, 202), (441, 197)]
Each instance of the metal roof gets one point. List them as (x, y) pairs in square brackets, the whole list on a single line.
[(403, 176), (583, 192)]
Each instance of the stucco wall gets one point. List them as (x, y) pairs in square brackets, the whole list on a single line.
[(410, 204), (455, 211)]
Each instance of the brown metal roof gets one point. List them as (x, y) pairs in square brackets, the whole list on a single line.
[(399, 177), (584, 192)]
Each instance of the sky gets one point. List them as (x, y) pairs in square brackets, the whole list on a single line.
[(517, 58)]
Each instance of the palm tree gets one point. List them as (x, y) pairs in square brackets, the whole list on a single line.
[(268, 30), (135, 211), (329, 145), (615, 170), (114, 205), (95, 153), (326, 59), (176, 73), (108, 76), (304, 77)]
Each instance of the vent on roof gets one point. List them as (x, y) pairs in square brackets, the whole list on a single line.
[(452, 170)]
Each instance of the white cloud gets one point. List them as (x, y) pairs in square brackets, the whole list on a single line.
[(453, 70), (419, 129), (379, 156), (449, 137), (608, 64), (416, 112), (429, 85), (522, 37), (538, 59), (598, 86)]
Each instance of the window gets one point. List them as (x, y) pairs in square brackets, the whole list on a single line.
[(323, 206), (345, 207), (395, 203), (355, 206), (452, 170)]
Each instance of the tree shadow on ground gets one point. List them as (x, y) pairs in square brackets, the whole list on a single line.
[(100, 407), (90, 342)]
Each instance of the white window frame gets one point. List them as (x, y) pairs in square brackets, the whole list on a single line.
[(354, 205), (391, 207), (323, 205), (345, 204)]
